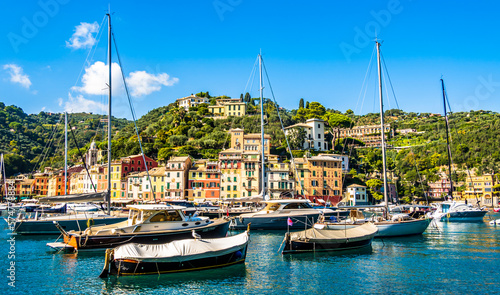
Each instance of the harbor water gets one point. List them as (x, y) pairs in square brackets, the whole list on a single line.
[(454, 258)]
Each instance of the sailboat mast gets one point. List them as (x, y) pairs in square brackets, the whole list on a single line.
[(65, 153), (447, 138), (109, 114), (382, 133), (262, 127)]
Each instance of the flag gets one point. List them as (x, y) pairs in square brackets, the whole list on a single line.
[(289, 222)]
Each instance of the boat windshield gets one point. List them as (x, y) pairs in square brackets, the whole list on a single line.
[(272, 207), (162, 216), (298, 206)]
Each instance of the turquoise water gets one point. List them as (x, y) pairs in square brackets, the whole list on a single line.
[(459, 258)]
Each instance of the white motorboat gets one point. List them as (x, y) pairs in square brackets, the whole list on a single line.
[(455, 211), (282, 214)]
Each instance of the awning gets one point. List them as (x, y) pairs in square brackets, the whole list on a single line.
[(76, 198), (320, 200)]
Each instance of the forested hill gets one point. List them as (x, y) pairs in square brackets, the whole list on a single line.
[(27, 139), (170, 130)]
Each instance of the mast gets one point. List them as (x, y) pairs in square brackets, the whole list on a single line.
[(109, 114), (65, 153), (382, 133), (262, 127), (447, 138)]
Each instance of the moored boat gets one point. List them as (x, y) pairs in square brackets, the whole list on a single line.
[(146, 224), (454, 211), (396, 226), (320, 239), (277, 213), (176, 256)]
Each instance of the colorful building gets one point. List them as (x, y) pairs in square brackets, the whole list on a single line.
[(204, 180), (320, 177)]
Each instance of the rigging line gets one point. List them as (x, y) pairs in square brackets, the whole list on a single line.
[(364, 85), (460, 142), (88, 54), (390, 81), (367, 73), (407, 135), (81, 156), (252, 74), (47, 146), (281, 122), (133, 115)]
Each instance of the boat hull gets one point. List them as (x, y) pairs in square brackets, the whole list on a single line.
[(302, 246), (475, 215), (47, 227), (403, 228), (391, 229), (217, 229), (127, 267)]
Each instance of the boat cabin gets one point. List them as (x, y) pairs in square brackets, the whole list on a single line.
[(154, 213), (279, 205)]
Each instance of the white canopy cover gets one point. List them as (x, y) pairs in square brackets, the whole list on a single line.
[(182, 250), (319, 235)]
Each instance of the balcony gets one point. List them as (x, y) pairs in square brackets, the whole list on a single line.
[(251, 188)]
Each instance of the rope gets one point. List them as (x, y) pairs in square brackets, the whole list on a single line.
[(133, 117), (282, 127)]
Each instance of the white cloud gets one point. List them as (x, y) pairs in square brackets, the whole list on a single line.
[(83, 36), (81, 104), (17, 75), (96, 78), (140, 83)]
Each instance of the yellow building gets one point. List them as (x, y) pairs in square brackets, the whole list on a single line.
[(481, 187), (230, 167), (249, 142), (228, 107)]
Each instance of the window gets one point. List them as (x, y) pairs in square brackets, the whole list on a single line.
[(319, 126), (319, 136), (178, 184), (194, 174), (314, 173), (228, 188), (324, 173), (178, 174)]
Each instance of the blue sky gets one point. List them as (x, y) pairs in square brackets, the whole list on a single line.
[(316, 50)]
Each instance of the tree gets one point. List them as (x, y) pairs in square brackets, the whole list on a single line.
[(247, 97), (307, 104), (336, 122), (297, 137), (301, 103), (375, 185), (349, 112), (241, 97)]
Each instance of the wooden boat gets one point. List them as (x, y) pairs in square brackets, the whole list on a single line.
[(177, 256), (146, 224), (320, 238)]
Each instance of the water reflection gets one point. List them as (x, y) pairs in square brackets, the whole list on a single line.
[(186, 281)]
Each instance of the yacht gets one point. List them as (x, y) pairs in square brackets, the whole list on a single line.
[(454, 211), (282, 214), (146, 224)]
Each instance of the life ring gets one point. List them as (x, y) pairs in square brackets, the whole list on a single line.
[(90, 222)]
